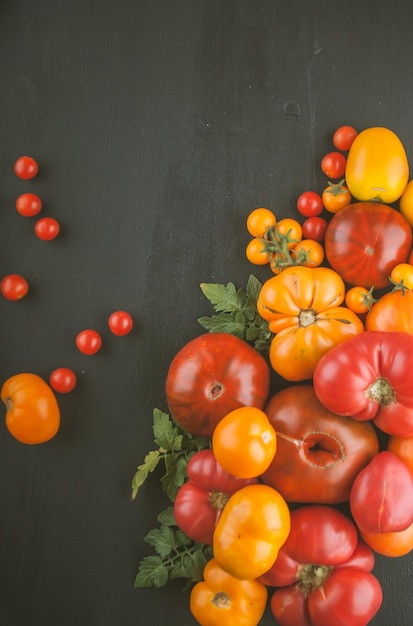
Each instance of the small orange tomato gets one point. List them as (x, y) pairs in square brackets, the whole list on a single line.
[(253, 526), (308, 252), (244, 442), (222, 599), (292, 228), (391, 544), (359, 299), (401, 276), (402, 447), (259, 220), (406, 203), (335, 197), (33, 414), (256, 253)]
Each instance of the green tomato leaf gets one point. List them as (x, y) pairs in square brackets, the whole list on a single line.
[(152, 573), (223, 323), (150, 463), (224, 299), (166, 434)]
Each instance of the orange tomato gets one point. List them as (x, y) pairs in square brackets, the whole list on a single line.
[(393, 311), (259, 220), (292, 228), (225, 600), (302, 307), (359, 299), (256, 253), (33, 414), (406, 203), (392, 544), (402, 447), (244, 442), (308, 252), (335, 197), (253, 526), (402, 276)]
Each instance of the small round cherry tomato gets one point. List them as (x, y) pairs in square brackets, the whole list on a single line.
[(120, 323), (401, 276), (308, 252), (28, 204), (314, 228), (244, 442), (14, 287), (259, 220), (309, 204), (89, 341), (25, 167), (335, 197), (292, 228), (47, 228), (333, 165), (255, 252), (344, 137), (359, 299), (63, 380)]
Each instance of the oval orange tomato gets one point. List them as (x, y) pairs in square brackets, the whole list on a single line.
[(393, 311), (390, 544), (33, 414)]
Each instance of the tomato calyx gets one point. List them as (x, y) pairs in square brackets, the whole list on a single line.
[(277, 247), (381, 392), (312, 577), (307, 317), (215, 391), (336, 188), (218, 499), (221, 600), (400, 286), (321, 450)]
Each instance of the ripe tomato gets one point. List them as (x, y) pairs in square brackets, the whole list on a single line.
[(309, 204), (252, 528), (89, 341), (314, 228), (392, 544), (14, 287), (291, 228), (335, 197), (259, 220), (319, 453), (244, 442), (377, 167), (393, 311), (401, 276), (365, 240), (28, 204), (63, 380), (212, 375), (256, 253), (333, 165), (26, 167), (120, 323), (47, 228), (343, 138), (308, 252), (402, 447), (406, 202), (365, 377), (200, 501), (359, 299), (33, 414)]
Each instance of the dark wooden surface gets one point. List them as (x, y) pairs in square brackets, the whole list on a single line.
[(158, 125)]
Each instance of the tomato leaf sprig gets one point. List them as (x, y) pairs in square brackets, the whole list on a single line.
[(237, 312)]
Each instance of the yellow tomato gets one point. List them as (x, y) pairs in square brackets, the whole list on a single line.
[(377, 167), (406, 203)]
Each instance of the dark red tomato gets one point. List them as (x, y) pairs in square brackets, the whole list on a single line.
[(344, 137), (28, 204), (89, 341), (200, 501), (309, 204), (367, 378), (14, 287), (26, 167), (319, 453), (120, 323), (323, 572), (381, 499), (63, 380), (333, 165), (47, 228), (211, 376), (365, 240), (315, 228)]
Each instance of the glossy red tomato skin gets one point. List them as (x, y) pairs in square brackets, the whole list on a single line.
[(47, 228), (89, 341), (309, 204), (212, 375), (344, 137), (26, 167), (28, 204), (319, 453), (120, 323), (14, 287), (365, 240), (63, 380), (201, 500), (333, 165), (315, 228), (367, 379)]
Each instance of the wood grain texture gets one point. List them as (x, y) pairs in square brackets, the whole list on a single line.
[(158, 125)]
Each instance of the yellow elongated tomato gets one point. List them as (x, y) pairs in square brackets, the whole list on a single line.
[(222, 599), (406, 202), (253, 526), (377, 167), (302, 307), (33, 414), (244, 442)]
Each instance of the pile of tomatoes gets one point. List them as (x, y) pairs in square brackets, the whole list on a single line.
[(300, 488)]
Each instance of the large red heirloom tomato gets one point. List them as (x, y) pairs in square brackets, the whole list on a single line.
[(323, 572), (369, 377), (365, 240), (319, 453), (212, 375)]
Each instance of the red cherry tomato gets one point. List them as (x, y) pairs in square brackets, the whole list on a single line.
[(315, 228), (25, 167), (309, 204), (120, 323), (344, 137), (89, 341), (333, 165), (14, 287), (63, 380), (47, 228), (28, 204)]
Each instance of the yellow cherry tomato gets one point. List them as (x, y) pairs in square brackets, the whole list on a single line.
[(401, 276), (359, 299), (256, 253), (292, 228), (406, 203), (308, 252), (259, 220)]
